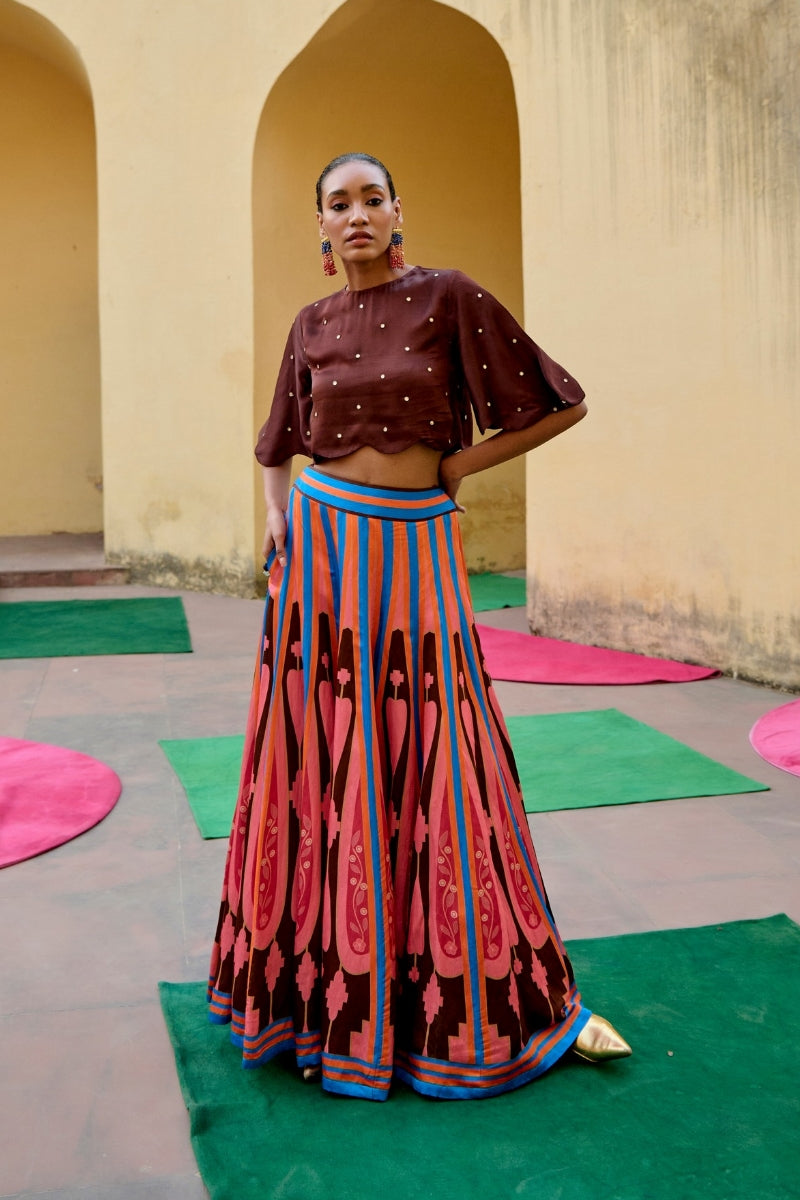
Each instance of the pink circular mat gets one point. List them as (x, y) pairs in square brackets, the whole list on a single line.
[(776, 737), (49, 795)]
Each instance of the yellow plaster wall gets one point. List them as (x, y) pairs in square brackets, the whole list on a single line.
[(661, 210), (50, 454), (433, 98), (178, 90), (659, 177)]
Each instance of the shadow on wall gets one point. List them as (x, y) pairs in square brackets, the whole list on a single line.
[(51, 461), (429, 92)]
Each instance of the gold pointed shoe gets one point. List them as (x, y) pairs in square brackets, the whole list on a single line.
[(598, 1042)]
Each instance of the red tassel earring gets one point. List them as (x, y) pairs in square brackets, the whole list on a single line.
[(396, 257), (328, 265)]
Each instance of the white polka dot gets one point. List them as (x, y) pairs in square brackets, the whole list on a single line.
[(522, 372), (432, 422), (338, 336), (430, 368), (406, 398), (406, 347), (383, 376), (485, 367), (519, 409), (361, 306), (335, 382), (291, 356), (435, 274), (358, 356), (291, 395), (480, 295), (338, 435), (308, 433), (324, 320), (358, 406), (480, 331), (565, 379), (408, 299), (385, 430), (288, 429), (431, 320), (513, 341), (383, 324)]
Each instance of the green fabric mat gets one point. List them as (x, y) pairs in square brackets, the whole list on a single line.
[(707, 1107), (586, 759), (565, 760), (208, 769), (63, 628), (496, 591)]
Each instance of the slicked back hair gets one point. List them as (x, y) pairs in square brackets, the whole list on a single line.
[(340, 161)]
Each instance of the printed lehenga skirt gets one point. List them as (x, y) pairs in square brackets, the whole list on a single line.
[(383, 913)]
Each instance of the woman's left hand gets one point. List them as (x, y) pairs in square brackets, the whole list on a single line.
[(450, 478)]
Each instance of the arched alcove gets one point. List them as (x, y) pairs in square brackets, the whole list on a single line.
[(50, 453), (428, 91)]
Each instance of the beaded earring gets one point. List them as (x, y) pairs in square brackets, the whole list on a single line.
[(396, 257), (328, 265)]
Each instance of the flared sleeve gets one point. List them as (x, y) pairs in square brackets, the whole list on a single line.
[(507, 379), (286, 431)]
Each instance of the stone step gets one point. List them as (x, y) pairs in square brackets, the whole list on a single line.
[(64, 577)]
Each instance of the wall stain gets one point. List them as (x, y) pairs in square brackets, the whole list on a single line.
[(711, 92), (762, 649), (226, 577)]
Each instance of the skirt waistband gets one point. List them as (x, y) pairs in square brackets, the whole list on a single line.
[(394, 504)]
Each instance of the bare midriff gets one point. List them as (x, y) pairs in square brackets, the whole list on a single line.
[(416, 467)]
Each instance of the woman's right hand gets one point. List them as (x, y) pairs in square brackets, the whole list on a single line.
[(275, 534)]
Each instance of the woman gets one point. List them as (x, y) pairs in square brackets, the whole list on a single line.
[(383, 914)]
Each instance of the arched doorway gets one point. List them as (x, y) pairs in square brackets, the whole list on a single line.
[(50, 452), (428, 91)]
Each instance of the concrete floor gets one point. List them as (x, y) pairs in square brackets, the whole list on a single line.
[(89, 1104)]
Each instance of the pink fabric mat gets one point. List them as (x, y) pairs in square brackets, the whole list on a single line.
[(776, 737), (49, 795), (529, 659)]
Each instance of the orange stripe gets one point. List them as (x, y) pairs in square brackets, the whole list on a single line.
[(469, 891), (339, 491), (366, 817), (276, 1033), (489, 1076), (356, 1074)]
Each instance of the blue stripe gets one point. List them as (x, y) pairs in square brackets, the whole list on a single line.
[(341, 535), (467, 865), (387, 534), (307, 626), (476, 673), (413, 636), (284, 1043), (560, 1042), (368, 705), (281, 600), (360, 1090), (332, 563), (373, 502)]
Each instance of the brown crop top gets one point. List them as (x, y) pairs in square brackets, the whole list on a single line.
[(407, 361)]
